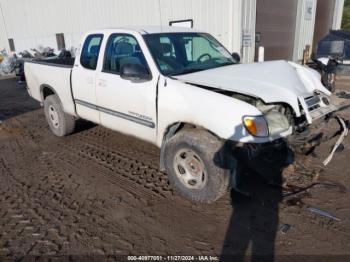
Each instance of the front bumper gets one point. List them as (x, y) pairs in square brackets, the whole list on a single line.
[(322, 130), (319, 132)]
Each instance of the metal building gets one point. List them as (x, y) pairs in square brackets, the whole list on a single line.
[(283, 28)]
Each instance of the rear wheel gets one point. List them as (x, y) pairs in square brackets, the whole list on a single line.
[(61, 124), (196, 165)]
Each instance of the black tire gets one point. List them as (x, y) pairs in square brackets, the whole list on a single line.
[(212, 153), (332, 87), (64, 124)]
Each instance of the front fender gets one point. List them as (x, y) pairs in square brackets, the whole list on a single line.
[(218, 113), (310, 78)]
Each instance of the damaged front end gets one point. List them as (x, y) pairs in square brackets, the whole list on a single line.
[(279, 117), (321, 132), (316, 124), (301, 131), (323, 124)]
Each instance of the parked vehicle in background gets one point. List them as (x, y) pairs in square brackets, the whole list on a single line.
[(181, 90), (327, 67), (337, 45)]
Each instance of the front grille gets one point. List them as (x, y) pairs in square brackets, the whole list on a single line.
[(312, 102)]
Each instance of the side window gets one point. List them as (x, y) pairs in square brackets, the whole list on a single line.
[(167, 47), (90, 51), (122, 49)]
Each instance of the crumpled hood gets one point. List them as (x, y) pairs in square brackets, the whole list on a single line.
[(275, 81)]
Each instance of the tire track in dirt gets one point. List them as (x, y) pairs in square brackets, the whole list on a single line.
[(52, 204), (122, 143), (134, 174), (49, 209), (127, 167), (68, 158)]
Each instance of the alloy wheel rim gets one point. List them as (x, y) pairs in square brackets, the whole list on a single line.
[(190, 169), (53, 115)]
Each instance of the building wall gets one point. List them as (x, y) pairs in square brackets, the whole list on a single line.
[(248, 30), (222, 20), (324, 19), (326, 14), (3, 37), (275, 22), (233, 22), (305, 25), (338, 14), (36, 22)]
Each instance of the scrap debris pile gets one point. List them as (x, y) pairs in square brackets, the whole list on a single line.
[(14, 63)]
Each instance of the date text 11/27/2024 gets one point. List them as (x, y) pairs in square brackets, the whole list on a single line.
[(173, 258)]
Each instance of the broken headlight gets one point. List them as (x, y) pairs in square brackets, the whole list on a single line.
[(276, 116), (277, 122)]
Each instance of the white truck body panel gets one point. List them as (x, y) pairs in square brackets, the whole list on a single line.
[(118, 96), (84, 90), (146, 109), (126, 98), (222, 115), (56, 77)]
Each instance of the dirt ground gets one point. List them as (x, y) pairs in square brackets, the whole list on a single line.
[(100, 193)]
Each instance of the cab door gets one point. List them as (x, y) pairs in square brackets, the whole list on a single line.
[(83, 78), (125, 105)]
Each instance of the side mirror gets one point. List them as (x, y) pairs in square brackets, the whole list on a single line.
[(236, 57), (134, 72)]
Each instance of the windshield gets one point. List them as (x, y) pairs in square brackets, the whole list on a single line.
[(183, 53)]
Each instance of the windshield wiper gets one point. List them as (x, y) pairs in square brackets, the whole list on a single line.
[(188, 71), (194, 70), (227, 63)]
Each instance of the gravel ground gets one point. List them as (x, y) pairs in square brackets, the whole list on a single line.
[(99, 193)]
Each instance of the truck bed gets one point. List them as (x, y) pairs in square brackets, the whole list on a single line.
[(61, 62), (54, 73)]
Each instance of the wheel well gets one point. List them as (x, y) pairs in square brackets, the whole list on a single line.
[(171, 131), (175, 128), (46, 91)]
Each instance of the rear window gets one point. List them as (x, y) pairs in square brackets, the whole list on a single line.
[(91, 50)]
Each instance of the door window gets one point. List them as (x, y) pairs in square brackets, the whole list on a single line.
[(90, 51), (122, 49)]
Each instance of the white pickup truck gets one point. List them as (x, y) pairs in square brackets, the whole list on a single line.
[(183, 91)]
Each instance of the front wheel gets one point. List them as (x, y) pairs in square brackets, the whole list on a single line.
[(195, 162), (61, 124)]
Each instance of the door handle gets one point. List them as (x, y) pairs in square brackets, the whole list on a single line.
[(102, 83)]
